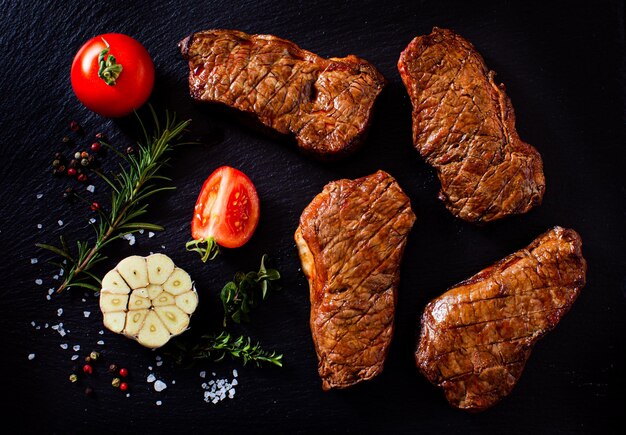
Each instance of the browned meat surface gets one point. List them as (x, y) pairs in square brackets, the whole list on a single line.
[(325, 103), (476, 337), (464, 126), (351, 239)]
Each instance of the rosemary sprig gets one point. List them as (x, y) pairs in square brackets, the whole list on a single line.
[(246, 290), (130, 188), (217, 347)]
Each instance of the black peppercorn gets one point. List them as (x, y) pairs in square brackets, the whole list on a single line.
[(130, 150), (113, 368), (84, 162)]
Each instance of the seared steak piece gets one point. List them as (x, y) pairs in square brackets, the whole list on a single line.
[(325, 103), (476, 337), (464, 126), (351, 239)]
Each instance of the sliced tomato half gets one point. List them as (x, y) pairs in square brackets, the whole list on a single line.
[(227, 209)]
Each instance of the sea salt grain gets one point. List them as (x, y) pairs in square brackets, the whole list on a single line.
[(203, 374), (91, 188), (86, 313), (33, 261), (39, 226), (150, 378), (101, 332), (31, 356), (60, 222), (39, 195), (38, 281), (159, 403), (63, 346), (60, 312), (100, 342), (130, 238), (150, 234), (92, 220), (74, 357), (76, 347), (159, 386)]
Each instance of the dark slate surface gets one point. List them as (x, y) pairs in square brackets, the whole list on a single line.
[(561, 63)]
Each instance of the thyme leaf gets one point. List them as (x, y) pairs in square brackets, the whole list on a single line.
[(217, 347)]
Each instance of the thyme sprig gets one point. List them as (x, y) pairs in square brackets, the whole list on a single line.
[(217, 347), (246, 290), (131, 187)]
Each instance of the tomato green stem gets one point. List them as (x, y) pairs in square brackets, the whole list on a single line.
[(110, 70), (208, 252)]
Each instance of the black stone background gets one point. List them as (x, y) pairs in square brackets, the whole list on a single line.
[(563, 66)]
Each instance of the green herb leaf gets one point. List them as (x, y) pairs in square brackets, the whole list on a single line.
[(208, 252), (217, 347), (246, 290), (130, 187)]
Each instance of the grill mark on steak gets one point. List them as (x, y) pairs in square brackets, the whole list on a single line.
[(351, 239), (326, 104), (464, 126), (475, 335)]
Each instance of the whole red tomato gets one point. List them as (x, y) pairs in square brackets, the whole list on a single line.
[(112, 74)]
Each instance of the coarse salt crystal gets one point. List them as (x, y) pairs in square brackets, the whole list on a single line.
[(74, 357), (92, 220), (60, 222), (39, 195), (159, 403), (100, 342), (76, 347), (150, 378), (31, 356), (86, 313), (33, 261), (203, 374), (64, 346), (173, 381), (101, 332), (39, 226), (60, 312), (235, 374), (91, 188), (159, 386), (141, 231), (235, 382), (50, 291), (48, 297), (33, 323), (38, 281), (56, 277), (150, 234), (159, 363)]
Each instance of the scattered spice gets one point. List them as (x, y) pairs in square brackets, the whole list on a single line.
[(75, 127), (73, 378), (116, 382), (87, 369), (123, 372)]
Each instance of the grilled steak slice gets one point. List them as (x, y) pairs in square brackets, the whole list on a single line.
[(351, 239), (476, 337), (464, 126), (325, 103)]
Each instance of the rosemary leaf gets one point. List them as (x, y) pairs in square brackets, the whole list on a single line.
[(134, 183)]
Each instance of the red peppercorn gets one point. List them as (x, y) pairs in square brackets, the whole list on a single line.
[(123, 386), (82, 178), (75, 127), (71, 172), (95, 206), (87, 369), (123, 372), (95, 147)]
